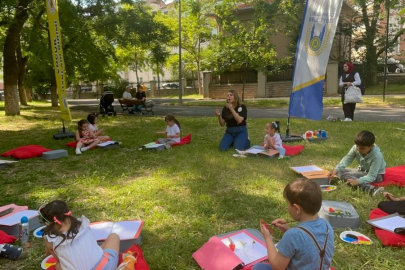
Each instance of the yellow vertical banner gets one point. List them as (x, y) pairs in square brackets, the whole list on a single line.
[(57, 55)]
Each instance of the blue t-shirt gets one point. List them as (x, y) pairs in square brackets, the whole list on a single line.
[(301, 249)]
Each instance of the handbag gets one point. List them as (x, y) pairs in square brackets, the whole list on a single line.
[(353, 95)]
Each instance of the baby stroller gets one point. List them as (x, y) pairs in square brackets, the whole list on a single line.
[(106, 102)]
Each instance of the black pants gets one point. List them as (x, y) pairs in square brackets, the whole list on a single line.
[(392, 207), (348, 109)]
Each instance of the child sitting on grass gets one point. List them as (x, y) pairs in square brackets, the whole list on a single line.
[(272, 139), (172, 131), (71, 241), (85, 137), (309, 245), (371, 162)]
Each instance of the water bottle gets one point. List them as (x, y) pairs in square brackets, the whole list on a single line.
[(24, 230)]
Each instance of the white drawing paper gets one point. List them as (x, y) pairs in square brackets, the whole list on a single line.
[(247, 249), (254, 151), (305, 169), (106, 143), (125, 229), (389, 224)]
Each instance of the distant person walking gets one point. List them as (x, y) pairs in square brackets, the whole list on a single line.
[(234, 115), (349, 77)]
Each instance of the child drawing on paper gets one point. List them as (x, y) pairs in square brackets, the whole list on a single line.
[(310, 244), (172, 131), (272, 139), (93, 119), (71, 241)]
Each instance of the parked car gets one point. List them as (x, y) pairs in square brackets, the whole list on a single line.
[(392, 68), (170, 85)]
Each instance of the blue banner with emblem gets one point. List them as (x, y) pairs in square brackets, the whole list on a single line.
[(318, 29)]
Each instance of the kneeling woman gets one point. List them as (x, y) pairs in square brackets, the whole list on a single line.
[(234, 115)]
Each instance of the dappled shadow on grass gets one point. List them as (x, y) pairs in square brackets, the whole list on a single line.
[(186, 194)]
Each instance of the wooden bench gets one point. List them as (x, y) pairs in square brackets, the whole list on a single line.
[(126, 104)]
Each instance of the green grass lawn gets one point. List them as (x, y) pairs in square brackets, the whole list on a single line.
[(186, 194)]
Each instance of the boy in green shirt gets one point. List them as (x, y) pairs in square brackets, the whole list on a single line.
[(371, 162)]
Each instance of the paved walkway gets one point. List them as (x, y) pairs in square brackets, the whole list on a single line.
[(372, 114)]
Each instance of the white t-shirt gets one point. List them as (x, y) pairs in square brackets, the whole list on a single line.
[(82, 252), (126, 95), (173, 130), (276, 139), (93, 128)]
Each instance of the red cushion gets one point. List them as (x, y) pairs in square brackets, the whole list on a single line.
[(140, 262), (387, 238), (24, 152), (6, 239), (71, 144), (394, 176), (185, 140), (293, 150)]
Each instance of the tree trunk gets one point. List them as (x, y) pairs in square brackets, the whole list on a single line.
[(10, 61), (370, 67), (28, 93), (22, 62), (200, 89), (54, 91)]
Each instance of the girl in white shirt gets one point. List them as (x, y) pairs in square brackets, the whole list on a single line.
[(272, 139), (172, 131), (72, 243), (93, 119)]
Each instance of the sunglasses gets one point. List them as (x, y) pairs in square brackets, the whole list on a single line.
[(43, 218)]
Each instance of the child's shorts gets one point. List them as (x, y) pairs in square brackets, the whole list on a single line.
[(108, 262)]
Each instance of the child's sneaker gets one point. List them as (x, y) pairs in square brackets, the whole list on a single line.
[(167, 145), (84, 149), (238, 155), (78, 152), (280, 157), (377, 191)]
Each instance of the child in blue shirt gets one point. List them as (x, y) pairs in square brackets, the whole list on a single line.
[(371, 162), (309, 245)]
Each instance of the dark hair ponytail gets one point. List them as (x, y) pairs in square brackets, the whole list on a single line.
[(171, 117), (275, 125), (55, 213)]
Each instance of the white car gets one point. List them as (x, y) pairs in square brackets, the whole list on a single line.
[(170, 85)]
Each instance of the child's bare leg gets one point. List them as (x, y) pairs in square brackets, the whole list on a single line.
[(79, 144), (112, 242), (93, 144), (103, 138)]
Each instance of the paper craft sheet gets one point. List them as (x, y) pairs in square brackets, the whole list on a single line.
[(129, 229), (388, 223), (2, 161), (214, 255), (311, 172), (15, 218), (247, 249)]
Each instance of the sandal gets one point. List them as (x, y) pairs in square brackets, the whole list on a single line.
[(11, 252)]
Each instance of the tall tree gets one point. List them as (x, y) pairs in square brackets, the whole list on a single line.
[(244, 45), (372, 16), (11, 69)]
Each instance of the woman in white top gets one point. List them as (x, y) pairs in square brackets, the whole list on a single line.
[(349, 77), (72, 243)]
